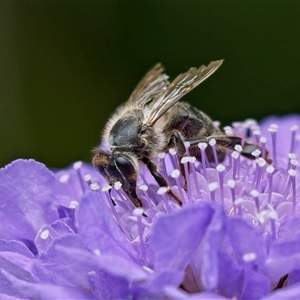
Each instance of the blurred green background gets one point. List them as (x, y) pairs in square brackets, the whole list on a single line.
[(65, 66)]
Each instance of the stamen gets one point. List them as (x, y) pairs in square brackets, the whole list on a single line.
[(44, 234), (221, 168), (292, 174), (239, 149), (269, 214), (212, 143), (202, 147), (117, 185), (263, 141), (162, 162), (260, 162), (294, 129), (176, 174), (174, 158), (238, 203), (64, 178), (270, 170), (94, 186), (249, 257), (293, 163), (228, 130), (105, 190), (235, 155), (117, 188), (255, 194), (138, 212), (216, 124), (256, 153), (97, 252), (212, 187), (187, 148), (162, 191), (73, 204), (77, 166), (256, 133), (192, 162), (184, 161), (231, 184), (239, 128), (273, 129), (151, 205), (88, 178)]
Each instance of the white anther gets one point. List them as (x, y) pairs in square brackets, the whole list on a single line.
[(270, 169), (94, 186), (175, 173), (254, 193), (261, 162), (138, 212), (294, 162), (249, 257), (231, 183), (64, 178), (106, 188), (117, 185), (73, 204), (143, 187), (263, 139), (294, 128), (162, 190), (273, 128), (202, 146), (256, 152), (292, 156), (44, 234), (292, 172), (212, 142), (172, 151), (161, 155), (213, 185), (77, 165), (235, 154), (87, 177), (238, 148), (220, 168)]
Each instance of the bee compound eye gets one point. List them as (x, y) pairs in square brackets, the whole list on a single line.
[(142, 129), (125, 166)]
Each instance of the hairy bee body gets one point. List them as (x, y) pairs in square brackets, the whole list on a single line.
[(153, 121)]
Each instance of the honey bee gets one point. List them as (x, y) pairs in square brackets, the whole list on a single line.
[(153, 121)]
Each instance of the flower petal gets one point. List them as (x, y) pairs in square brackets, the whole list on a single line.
[(99, 230), (289, 293), (176, 236), (46, 291), (27, 199)]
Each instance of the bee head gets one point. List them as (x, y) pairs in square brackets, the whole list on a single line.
[(116, 166)]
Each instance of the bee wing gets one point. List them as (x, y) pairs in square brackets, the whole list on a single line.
[(181, 85), (153, 83)]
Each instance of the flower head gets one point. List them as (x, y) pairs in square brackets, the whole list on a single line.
[(69, 235)]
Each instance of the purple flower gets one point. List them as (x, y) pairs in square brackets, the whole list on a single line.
[(237, 235)]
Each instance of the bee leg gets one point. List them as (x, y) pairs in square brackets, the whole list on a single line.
[(249, 148), (160, 179), (130, 189), (177, 143), (222, 142)]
